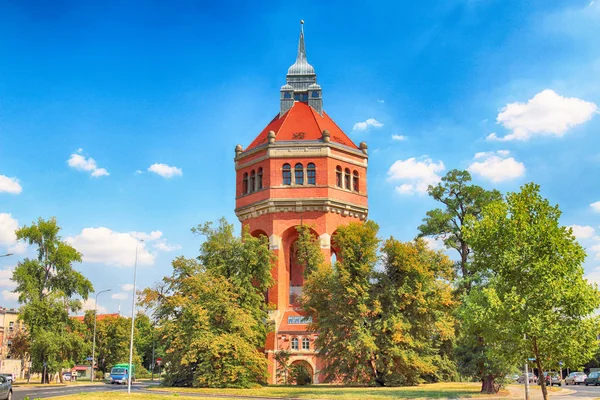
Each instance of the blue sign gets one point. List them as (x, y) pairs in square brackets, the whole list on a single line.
[(89, 359), (560, 363), (531, 359)]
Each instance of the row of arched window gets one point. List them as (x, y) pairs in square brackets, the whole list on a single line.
[(254, 181), (305, 343), (346, 180), (311, 174)]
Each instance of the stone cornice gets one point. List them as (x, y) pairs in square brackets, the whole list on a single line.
[(291, 144), (312, 150), (301, 205)]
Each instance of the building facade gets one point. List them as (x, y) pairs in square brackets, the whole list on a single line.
[(302, 169)]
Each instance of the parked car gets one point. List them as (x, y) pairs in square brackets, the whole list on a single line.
[(532, 378), (10, 377), (575, 378), (592, 379), (552, 378), (5, 388), (66, 376)]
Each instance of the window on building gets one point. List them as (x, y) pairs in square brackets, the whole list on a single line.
[(338, 176), (305, 344), (287, 174), (311, 174), (298, 319), (287, 95), (252, 183), (11, 325), (245, 182), (259, 182), (299, 174), (347, 179), (315, 94), (355, 181), (295, 343)]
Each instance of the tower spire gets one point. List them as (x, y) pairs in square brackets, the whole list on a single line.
[(301, 47)]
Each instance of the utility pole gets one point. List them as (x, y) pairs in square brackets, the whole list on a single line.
[(153, 336), (526, 375), (130, 371), (94, 340)]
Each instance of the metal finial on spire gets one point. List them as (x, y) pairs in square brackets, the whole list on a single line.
[(301, 48)]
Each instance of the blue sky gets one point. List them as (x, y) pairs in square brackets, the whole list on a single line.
[(92, 95)]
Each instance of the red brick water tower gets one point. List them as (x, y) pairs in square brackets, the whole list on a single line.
[(301, 169)]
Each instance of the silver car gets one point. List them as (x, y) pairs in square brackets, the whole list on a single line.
[(575, 378), (5, 388), (532, 378)]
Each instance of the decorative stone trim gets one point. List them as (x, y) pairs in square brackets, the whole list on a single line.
[(270, 206), (292, 145)]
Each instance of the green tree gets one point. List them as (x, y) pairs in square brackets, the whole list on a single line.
[(282, 360), (146, 340), (49, 288), (212, 315), (533, 299), (461, 201), (416, 318), (341, 304)]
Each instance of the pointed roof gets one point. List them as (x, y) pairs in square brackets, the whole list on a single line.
[(302, 122), (301, 66)]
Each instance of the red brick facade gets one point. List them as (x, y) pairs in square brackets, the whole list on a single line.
[(281, 201)]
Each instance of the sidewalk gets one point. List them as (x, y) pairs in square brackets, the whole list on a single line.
[(535, 393)]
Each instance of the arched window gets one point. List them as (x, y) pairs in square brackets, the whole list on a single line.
[(311, 174), (347, 179), (305, 344), (315, 94), (355, 181), (295, 343), (338, 176), (259, 183), (252, 182), (287, 174), (287, 95), (299, 174), (245, 183)]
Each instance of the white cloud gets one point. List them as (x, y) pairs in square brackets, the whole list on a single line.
[(398, 137), (10, 185), (88, 164), (164, 246), (8, 238), (154, 235), (380, 101), (595, 206), (434, 244), (119, 296), (102, 245), (128, 287), (582, 232), (165, 170), (5, 278), (547, 113), (496, 166), (89, 304), (596, 249), (10, 296), (416, 174), (139, 172), (365, 125)]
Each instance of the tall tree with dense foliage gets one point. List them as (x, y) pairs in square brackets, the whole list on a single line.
[(461, 200), (532, 300), (212, 314), (49, 288), (382, 328)]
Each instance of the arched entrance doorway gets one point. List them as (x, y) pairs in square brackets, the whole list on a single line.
[(303, 372)]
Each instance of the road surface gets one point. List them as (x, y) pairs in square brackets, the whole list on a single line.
[(47, 392)]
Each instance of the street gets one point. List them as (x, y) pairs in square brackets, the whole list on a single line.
[(47, 392)]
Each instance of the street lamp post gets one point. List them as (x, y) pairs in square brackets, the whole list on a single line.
[(132, 317), (94, 340), (6, 255)]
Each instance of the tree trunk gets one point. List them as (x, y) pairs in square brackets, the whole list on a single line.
[(373, 366), (487, 385), (541, 377)]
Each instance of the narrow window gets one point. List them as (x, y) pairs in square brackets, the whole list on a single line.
[(299, 174), (251, 186), (245, 183), (347, 179), (259, 183), (287, 95), (295, 343), (287, 174), (311, 174), (355, 181), (305, 344), (338, 176)]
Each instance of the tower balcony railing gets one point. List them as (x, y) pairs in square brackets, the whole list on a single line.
[(295, 293)]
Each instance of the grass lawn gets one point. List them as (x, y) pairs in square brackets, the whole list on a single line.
[(139, 396), (434, 390)]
